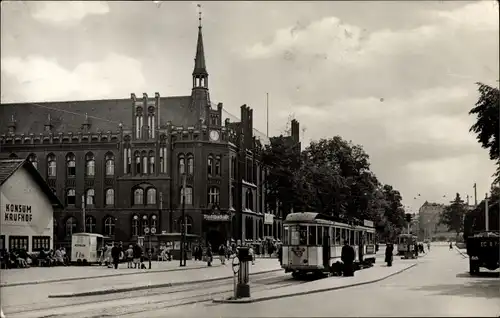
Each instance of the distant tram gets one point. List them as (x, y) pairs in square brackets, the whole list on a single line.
[(405, 240), (312, 242)]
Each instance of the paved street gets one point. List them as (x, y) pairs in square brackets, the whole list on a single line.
[(438, 286)]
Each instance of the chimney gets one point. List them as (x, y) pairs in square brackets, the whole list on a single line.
[(12, 125), (295, 131)]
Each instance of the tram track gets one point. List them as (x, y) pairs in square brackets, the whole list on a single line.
[(124, 303)]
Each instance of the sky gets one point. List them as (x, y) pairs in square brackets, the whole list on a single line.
[(396, 77)]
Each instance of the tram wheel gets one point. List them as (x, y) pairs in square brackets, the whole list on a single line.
[(297, 274)]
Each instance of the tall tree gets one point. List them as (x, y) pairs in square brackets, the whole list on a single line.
[(453, 215), (487, 126)]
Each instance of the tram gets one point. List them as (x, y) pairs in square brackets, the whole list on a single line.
[(405, 240), (312, 242)]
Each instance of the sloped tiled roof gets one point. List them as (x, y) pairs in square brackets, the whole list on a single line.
[(9, 166), (103, 115)]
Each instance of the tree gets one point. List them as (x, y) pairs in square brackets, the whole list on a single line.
[(487, 110), (474, 220), (453, 215)]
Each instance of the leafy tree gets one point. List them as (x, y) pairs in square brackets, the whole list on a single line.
[(487, 110), (474, 220), (453, 215)]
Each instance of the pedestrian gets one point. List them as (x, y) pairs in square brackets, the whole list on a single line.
[(222, 254), (347, 257), (280, 254), (389, 252), (115, 255), (251, 252), (209, 255), (451, 245), (137, 255), (129, 254)]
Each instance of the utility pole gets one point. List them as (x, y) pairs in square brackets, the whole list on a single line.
[(486, 214), (475, 195), (183, 223), (83, 213)]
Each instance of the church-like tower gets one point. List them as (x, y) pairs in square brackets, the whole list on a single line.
[(200, 97)]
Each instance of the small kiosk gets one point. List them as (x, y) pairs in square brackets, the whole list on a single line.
[(173, 241)]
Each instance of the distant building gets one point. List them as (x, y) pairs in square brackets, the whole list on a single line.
[(428, 219), (26, 207)]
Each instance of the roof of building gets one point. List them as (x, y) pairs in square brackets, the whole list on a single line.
[(103, 115), (200, 67), (9, 166)]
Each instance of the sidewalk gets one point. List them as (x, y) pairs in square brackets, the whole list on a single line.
[(149, 280), (366, 276), (44, 275)]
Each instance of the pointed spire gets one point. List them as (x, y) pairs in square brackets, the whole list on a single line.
[(199, 61)]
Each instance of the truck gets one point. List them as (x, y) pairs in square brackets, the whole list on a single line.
[(483, 250)]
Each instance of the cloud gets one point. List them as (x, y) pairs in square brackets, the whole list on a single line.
[(45, 79), (62, 12)]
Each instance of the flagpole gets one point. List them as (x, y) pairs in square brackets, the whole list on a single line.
[(267, 115)]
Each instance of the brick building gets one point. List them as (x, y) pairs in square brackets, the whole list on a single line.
[(125, 158)]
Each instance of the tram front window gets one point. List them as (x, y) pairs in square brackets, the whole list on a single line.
[(298, 235)]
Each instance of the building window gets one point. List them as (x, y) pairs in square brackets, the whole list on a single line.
[(233, 167), (110, 164), (249, 199), (213, 195), (127, 160), (182, 164), (151, 122), (137, 157), (233, 196), (39, 243), (154, 222), (70, 197), (210, 163), (90, 197), (34, 160), (138, 196), (70, 226), (189, 225), (90, 224), (109, 226), (18, 242), (144, 162), (13, 156), (135, 225), (89, 165), (139, 122), (151, 196), (145, 223), (70, 165), (51, 165), (110, 197), (217, 166), (188, 196), (151, 162), (163, 155), (190, 164)]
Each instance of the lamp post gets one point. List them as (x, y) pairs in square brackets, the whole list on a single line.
[(183, 223)]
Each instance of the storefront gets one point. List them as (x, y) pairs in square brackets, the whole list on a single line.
[(216, 227), (26, 207)]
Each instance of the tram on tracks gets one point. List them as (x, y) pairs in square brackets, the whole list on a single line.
[(312, 242), (405, 241)]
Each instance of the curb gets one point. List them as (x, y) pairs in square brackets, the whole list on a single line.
[(460, 252), (49, 281), (137, 288), (250, 300)]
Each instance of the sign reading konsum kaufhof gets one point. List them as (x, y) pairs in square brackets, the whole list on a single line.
[(26, 208)]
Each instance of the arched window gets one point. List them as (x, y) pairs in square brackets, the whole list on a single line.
[(189, 225), (190, 164), (145, 223), (70, 197), (135, 225), (163, 156), (90, 224), (34, 160), (110, 164), (137, 158), (151, 196), (213, 195), (138, 196), (154, 222), (109, 226), (139, 122), (210, 163), (13, 156), (51, 165), (70, 165), (70, 226), (217, 166), (144, 156), (189, 195), (249, 199), (89, 165), (90, 197), (151, 162), (110, 197), (182, 164)]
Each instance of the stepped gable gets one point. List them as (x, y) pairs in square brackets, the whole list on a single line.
[(103, 115)]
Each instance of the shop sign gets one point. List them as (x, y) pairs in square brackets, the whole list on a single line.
[(268, 218), (368, 223), (17, 213), (216, 217)]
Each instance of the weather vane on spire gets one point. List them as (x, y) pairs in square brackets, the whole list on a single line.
[(199, 14)]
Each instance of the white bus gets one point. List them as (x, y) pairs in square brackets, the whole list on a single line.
[(312, 242)]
